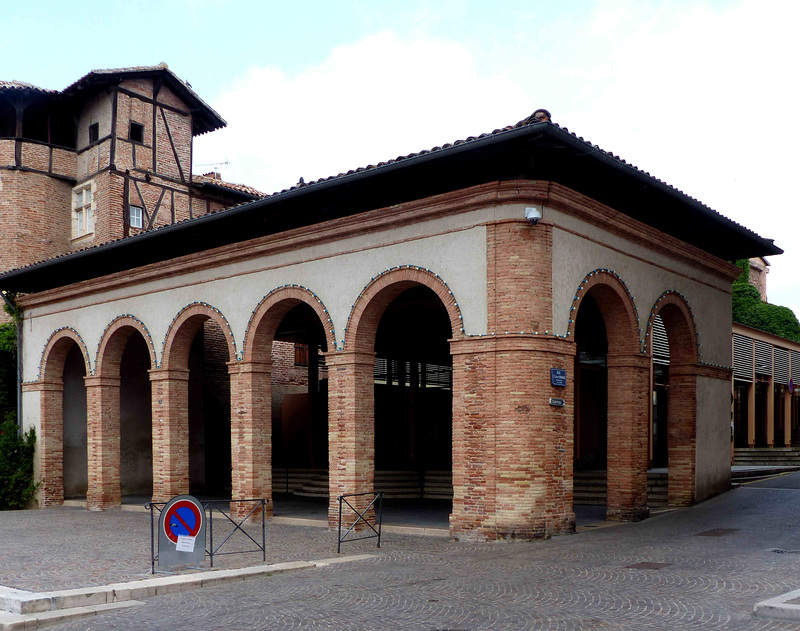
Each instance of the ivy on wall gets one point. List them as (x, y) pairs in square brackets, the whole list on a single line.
[(8, 372), (17, 486), (750, 310)]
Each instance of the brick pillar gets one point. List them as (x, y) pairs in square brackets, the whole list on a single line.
[(751, 414), (771, 412), (519, 276), (51, 441), (351, 429), (682, 434), (474, 446), (103, 442), (512, 450), (628, 414), (787, 417), (251, 435), (170, 396)]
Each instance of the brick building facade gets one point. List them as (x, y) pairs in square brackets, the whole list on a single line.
[(440, 289), (108, 157)]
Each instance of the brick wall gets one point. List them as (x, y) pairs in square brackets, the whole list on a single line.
[(35, 218)]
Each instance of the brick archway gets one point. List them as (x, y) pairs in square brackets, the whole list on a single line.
[(352, 382), (271, 310), (51, 388), (170, 400), (682, 336), (104, 417), (627, 393), (113, 341), (251, 439), (183, 329), (381, 291), (617, 306), (51, 366)]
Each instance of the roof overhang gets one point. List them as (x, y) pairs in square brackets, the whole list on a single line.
[(204, 117), (539, 151)]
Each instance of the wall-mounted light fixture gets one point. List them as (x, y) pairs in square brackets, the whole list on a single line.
[(533, 215)]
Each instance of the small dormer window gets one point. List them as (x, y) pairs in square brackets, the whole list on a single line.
[(94, 132), (135, 216), (136, 133), (83, 215)]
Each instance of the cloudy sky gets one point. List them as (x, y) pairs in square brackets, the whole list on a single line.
[(702, 94)]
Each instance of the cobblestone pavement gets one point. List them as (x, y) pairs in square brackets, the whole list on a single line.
[(699, 568)]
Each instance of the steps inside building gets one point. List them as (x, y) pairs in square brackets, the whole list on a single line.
[(766, 456), (589, 486)]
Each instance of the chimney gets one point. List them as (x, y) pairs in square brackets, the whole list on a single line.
[(540, 116)]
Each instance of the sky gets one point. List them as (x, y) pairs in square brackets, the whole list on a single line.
[(703, 94)]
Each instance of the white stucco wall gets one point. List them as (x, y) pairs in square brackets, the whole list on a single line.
[(337, 272), (647, 275), (713, 456)]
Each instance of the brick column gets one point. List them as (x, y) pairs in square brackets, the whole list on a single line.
[(251, 435), (351, 429), (512, 450), (787, 417), (751, 413), (628, 415), (170, 397), (682, 434), (474, 446), (103, 442), (771, 412), (51, 440)]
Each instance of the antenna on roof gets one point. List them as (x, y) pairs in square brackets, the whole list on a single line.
[(215, 164)]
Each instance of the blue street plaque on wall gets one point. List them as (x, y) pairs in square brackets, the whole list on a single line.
[(558, 377)]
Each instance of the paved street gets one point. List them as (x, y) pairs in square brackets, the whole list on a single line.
[(701, 568)]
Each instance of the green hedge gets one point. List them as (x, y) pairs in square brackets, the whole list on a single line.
[(8, 370), (750, 310), (17, 486)]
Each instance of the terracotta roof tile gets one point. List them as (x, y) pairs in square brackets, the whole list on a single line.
[(210, 180), (22, 85), (523, 123)]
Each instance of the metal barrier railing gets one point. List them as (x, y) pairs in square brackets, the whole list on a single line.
[(378, 497), (209, 507)]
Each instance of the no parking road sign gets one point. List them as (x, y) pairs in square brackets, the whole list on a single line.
[(182, 532)]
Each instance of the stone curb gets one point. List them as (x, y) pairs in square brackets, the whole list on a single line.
[(779, 607), (27, 610), (15, 621)]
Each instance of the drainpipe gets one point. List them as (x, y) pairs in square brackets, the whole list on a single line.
[(17, 315)]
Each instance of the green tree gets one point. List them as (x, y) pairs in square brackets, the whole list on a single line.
[(750, 310), (17, 486)]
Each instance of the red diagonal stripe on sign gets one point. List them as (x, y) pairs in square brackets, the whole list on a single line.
[(185, 525)]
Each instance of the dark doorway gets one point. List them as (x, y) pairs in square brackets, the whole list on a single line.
[(660, 412), (74, 414), (414, 399), (209, 413), (135, 420), (591, 400), (299, 407)]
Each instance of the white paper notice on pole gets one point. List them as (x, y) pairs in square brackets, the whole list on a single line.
[(185, 543)]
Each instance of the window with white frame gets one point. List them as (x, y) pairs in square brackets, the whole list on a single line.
[(136, 216), (83, 215)]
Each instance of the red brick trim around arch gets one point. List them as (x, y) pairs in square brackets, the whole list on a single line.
[(373, 300), (51, 430), (182, 331), (678, 318), (684, 370), (271, 310), (51, 366), (112, 345), (617, 306)]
